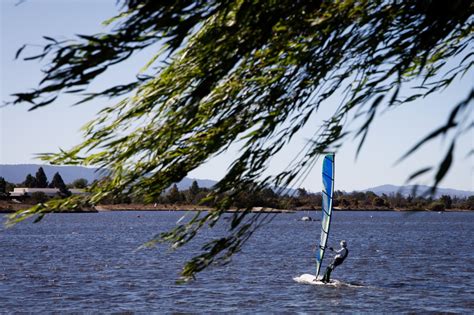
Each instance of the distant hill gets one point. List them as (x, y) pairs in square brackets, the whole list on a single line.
[(16, 173), (203, 183), (408, 190)]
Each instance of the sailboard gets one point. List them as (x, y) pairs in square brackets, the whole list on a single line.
[(328, 173)]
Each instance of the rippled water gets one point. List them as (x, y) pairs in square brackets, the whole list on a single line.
[(88, 262)]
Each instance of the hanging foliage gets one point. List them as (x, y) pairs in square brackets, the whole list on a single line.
[(254, 72)]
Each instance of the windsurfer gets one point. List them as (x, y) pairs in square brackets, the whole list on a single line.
[(341, 255)]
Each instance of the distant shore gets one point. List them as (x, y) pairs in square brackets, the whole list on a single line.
[(172, 207), (10, 207)]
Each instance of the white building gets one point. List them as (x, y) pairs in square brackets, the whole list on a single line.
[(24, 191)]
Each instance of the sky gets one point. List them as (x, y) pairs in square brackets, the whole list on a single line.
[(25, 133)]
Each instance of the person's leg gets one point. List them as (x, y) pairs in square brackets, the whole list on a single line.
[(330, 268), (336, 263), (327, 274)]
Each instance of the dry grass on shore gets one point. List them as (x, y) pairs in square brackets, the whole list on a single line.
[(8, 206)]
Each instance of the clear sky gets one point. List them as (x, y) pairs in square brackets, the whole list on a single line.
[(23, 133)]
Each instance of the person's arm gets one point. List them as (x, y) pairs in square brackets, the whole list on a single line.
[(330, 248), (339, 251)]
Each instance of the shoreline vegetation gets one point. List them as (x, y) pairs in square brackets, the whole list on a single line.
[(38, 190), (11, 207)]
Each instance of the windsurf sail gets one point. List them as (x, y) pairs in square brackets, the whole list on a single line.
[(328, 194)]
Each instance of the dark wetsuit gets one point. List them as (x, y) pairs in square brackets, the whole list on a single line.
[(338, 259)]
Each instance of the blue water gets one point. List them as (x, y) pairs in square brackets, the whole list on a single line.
[(418, 262)]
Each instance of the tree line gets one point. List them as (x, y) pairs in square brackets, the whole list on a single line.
[(268, 198), (302, 199), (40, 180)]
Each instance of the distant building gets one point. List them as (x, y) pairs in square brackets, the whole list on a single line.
[(24, 191)]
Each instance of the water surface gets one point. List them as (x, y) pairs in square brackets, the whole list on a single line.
[(88, 262)]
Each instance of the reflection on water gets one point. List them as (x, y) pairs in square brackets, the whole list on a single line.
[(78, 262)]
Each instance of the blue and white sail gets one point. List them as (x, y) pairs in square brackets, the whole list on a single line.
[(328, 194)]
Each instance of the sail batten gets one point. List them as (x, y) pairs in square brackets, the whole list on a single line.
[(326, 211)]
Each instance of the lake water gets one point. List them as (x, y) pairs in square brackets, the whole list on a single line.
[(420, 262)]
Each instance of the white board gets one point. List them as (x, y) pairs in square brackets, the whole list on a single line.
[(311, 279), (308, 279)]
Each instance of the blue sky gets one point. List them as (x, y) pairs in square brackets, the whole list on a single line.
[(23, 133)]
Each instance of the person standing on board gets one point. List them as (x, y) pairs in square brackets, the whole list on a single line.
[(341, 255)]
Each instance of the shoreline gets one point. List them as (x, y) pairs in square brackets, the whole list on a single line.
[(260, 210), (7, 207)]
